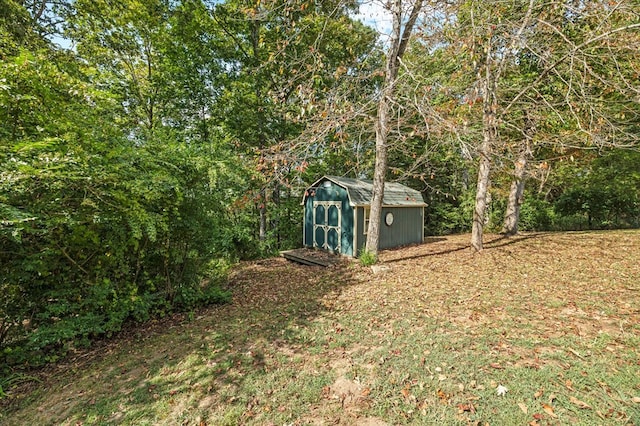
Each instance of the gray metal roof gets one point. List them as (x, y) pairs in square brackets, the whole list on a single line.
[(361, 191)]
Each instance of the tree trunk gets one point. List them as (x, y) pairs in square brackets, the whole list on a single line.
[(397, 45), (275, 220), (482, 190), (512, 214), (516, 193), (489, 139), (260, 130), (382, 130), (262, 208)]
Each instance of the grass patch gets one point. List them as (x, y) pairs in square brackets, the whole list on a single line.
[(550, 320)]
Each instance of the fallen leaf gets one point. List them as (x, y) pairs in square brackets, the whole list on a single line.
[(366, 391), (466, 408), (569, 384), (579, 403), (496, 365), (576, 353), (523, 407), (405, 392), (534, 423), (443, 396), (636, 399), (538, 394), (538, 416), (549, 410)]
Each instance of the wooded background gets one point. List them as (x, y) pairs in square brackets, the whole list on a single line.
[(147, 145)]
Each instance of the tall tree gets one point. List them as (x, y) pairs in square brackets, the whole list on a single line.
[(583, 96), (536, 79), (398, 42), (496, 32), (107, 179), (282, 59)]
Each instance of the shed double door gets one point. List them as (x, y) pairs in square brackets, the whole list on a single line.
[(327, 222)]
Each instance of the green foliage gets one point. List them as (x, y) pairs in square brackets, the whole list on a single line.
[(126, 242), (100, 223), (605, 193), (367, 258), (536, 215), (449, 215), (11, 380)]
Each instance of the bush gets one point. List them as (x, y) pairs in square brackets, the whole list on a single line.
[(130, 241), (449, 216), (536, 215)]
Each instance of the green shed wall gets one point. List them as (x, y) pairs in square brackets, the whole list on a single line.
[(407, 227)]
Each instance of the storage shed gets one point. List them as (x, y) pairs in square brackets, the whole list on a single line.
[(336, 215)]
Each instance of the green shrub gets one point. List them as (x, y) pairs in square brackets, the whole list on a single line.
[(133, 241), (448, 215), (367, 258), (536, 215)]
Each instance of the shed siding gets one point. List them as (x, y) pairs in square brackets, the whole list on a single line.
[(407, 227)]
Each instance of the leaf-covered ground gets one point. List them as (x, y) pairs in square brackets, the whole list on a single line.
[(539, 329)]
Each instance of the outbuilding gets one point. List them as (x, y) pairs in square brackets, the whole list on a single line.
[(337, 209)]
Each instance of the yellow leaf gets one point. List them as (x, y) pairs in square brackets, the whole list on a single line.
[(444, 397), (523, 407), (549, 410), (579, 403)]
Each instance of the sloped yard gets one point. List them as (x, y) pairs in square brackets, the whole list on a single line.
[(539, 329)]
